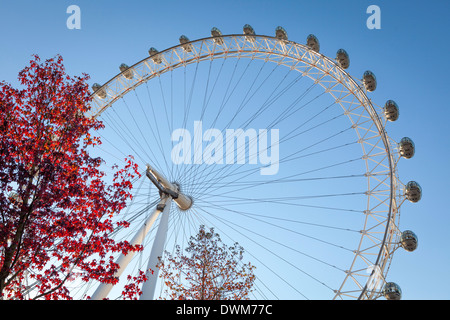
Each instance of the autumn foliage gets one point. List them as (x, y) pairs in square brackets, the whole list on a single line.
[(210, 270), (56, 208)]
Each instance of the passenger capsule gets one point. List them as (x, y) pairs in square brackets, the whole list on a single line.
[(153, 53), (343, 58), (406, 148), (409, 241), (184, 41), (392, 291), (313, 42), (126, 71), (413, 191), (370, 81), (99, 91), (280, 33), (249, 32), (391, 110), (217, 35)]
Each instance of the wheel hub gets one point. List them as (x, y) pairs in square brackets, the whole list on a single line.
[(173, 190)]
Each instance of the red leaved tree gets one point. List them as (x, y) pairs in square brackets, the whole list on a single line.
[(209, 271), (56, 208)]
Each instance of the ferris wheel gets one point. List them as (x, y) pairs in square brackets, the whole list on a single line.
[(273, 144)]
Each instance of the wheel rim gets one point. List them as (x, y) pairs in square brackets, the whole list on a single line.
[(345, 91)]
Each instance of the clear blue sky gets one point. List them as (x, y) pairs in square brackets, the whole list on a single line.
[(409, 56)]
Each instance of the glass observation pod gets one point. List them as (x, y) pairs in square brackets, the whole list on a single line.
[(153, 53), (280, 33), (126, 71), (413, 191), (406, 148), (313, 42), (409, 240), (99, 91), (391, 110), (392, 291), (184, 41), (343, 58), (370, 81), (217, 34), (249, 32)]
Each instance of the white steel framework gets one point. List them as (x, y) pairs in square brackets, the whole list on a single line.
[(379, 237)]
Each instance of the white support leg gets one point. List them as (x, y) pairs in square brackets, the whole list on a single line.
[(148, 288), (123, 260)]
